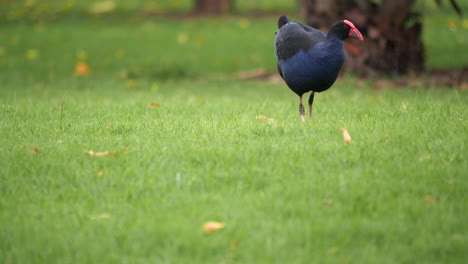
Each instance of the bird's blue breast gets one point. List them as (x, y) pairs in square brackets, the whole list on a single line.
[(315, 69)]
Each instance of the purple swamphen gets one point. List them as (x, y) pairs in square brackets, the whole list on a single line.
[(309, 60)]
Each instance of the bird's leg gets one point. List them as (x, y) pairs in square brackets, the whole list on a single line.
[(311, 101), (301, 108)]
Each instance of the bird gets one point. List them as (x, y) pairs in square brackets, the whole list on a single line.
[(308, 60)]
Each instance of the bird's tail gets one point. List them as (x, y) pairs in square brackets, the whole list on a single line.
[(282, 21)]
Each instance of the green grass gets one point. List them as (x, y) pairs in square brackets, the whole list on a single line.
[(288, 192), (204, 156)]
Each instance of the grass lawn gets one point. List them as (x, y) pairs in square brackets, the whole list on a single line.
[(185, 151)]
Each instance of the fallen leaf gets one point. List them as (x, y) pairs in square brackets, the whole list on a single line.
[(100, 172), (32, 54), (119, 54), (102, 7), (264, 118), (29, 3), (452, 23), (209, 227), (333, 250), (244, 23), (155, 105), (102, 154), (154, 87), (431, 199), (34, 150), (132, 83), (346, 136), (82, 69), (182, 38), (102, 216), (234, 244), (81, 55)]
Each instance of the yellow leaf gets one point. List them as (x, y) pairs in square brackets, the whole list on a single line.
[(81, 55), (103, 7), (29, 3), (209, 227), (154, 87), (32, 54), (132, 83), (244, 23), (102, 154), (452, 23), (346, 136), (333, 250), (266, 119), (102, 216), (465, 23), (182, 38), (119, 54)]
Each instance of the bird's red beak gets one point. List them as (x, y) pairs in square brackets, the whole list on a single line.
[(353, 32)]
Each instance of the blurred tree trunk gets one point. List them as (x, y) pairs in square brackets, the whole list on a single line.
[(213, 7), (392, 33)]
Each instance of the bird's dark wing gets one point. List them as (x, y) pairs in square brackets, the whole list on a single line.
[(293, 37)]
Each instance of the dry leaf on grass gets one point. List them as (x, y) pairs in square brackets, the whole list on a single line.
[(82, 69), (346, 136), (333, 250), (431, 199), (102, 154), (101, 7), (34, 150), (155, 105), (209, 227), (234, 245), (264, 118), (102, 216)]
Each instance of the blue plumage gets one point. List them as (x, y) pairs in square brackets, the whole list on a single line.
[(315, 69), (309, 60)]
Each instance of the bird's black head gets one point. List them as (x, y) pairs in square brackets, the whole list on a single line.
[(344, 29)]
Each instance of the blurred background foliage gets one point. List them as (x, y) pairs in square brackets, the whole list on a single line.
[(36, 10), (33, 10), (158, 40)]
